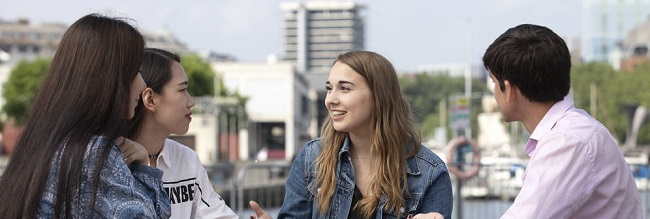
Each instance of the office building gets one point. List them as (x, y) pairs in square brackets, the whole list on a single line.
[(22, 40), (315, 33), (605, 25)]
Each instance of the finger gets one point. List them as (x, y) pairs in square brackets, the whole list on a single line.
[(433, 215), (123, 145), (258, 210), (119, 140), (127, 153), (128, 157)]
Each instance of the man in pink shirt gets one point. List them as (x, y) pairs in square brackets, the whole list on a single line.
[(576, 169)]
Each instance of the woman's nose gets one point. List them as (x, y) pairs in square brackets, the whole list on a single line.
[(331, 98)]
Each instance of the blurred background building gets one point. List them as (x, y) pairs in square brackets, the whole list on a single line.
[(21, 40), (605, 24), (315, 33)]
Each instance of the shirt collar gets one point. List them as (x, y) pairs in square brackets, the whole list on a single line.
[(164, 153), (548, 122)]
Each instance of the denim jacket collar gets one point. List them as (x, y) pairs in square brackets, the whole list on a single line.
[(412, 166), (429, 186), (345, 149)]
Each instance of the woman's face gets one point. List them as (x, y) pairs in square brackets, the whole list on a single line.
[(137, 86), (348, 100), (173, 104)]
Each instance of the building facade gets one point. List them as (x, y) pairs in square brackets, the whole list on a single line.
[(280, 107), (635, 46), (605, 25), (21, 40), (315, 33)]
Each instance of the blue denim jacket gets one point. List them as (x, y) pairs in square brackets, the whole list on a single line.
[(123, 192), (429, 186)]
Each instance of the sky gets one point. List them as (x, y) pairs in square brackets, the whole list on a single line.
[(410, 33)]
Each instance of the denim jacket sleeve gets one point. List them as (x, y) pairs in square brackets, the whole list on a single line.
[(121, 192), (133, 192), (438, 195), (298, 199)]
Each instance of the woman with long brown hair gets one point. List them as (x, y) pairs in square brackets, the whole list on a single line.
[(67, 163), (368, 162)]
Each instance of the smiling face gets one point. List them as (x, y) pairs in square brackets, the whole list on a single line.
[(137, 86), (173, 104), (348, 100)]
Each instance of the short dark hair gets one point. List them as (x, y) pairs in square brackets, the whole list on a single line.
[(534, 59)]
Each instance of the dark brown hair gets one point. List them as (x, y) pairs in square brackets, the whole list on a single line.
[(84, 94)]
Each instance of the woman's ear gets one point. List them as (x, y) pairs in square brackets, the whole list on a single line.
[(148, 99)]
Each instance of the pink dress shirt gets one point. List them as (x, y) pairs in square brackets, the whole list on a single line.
[(576, 170)]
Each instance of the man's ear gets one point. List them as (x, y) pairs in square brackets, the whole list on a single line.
[(148, 99), (511, 92)]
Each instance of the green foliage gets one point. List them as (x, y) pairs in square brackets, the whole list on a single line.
[(584, 76), (613, 91), (426, 93), (631, 88), (200, 76), (429, 124), (20, 89), (202, 80)]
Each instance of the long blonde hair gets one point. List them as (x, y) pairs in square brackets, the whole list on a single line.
[(394, 137)]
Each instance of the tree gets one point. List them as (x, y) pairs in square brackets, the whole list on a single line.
[(200, 76), (629, 88), (20, 89), (613, 90), (425, 93), (586, 76), (201, 79)]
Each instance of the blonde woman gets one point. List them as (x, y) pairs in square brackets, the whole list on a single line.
[(368, 162)]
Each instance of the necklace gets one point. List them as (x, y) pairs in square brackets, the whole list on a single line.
[(153, 157)]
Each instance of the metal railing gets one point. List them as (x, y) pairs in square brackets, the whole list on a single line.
[(493, 191), (265, 175)]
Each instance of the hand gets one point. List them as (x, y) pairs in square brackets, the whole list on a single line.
[(432, 215), (260, 213), (133, 151)]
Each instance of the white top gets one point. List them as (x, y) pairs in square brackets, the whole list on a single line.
[(187, 184)]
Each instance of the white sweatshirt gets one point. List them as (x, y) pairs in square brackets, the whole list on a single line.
[(187, 184)]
